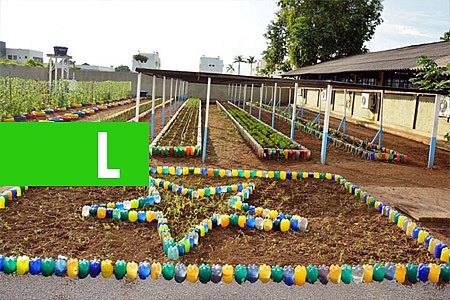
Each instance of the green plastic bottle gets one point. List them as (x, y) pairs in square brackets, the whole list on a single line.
[(312, 273), (204, 273), (168, 270), (378, 272), (124, 215), (445, 273), (48, 266), (83, 268), (10, 264), (234, 220), (277, 273), (116, 214), (240, 273), (346, 275), (120, 269), (411, 273)]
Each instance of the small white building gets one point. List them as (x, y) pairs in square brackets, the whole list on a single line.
[(153, 62), (87, 67), (22, 55), (211, 64)]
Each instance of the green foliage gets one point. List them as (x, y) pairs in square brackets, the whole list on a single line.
[(140, 58), (19, 96), (310, 31), (239, 59), (6, 61), (230, 68), (446, 36), (33, 63), (122, 68), (431, 76), (251, 60)]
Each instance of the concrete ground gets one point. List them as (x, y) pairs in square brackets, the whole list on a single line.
[(39, 287)]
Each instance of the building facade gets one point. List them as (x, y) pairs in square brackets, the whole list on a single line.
[(211, 65), (87, 67), (153, 62), (22, 55)]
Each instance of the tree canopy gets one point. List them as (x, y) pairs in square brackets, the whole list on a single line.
[(306, 32), (122, 68)]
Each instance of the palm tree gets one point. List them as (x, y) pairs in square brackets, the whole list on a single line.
[(251, 60), (230, 68), (239, 59)]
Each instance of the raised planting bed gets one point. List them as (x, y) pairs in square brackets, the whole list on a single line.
[(182, 134), (316, 228), (130, 113), (358, 147), (266, 141)]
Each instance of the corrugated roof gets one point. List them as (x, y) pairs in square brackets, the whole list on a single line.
[(404, 58)]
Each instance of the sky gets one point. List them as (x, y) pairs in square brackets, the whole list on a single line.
[(108, 32)]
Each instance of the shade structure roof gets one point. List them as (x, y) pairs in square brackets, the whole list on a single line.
[(399, 59), (257, 81)]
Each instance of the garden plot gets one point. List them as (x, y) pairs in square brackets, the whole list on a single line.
[(266, 141), (182, 134), (359, 147), (210, 216)]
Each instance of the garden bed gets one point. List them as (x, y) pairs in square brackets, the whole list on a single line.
[(182, 134), (359, 147), (344, 227), (266, 141)]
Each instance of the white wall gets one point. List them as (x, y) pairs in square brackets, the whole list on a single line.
[(211, 64), (153, 62), (22, 55)]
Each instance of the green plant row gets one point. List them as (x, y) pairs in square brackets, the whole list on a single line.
[(263, 134), (19, 96), (128, 114)]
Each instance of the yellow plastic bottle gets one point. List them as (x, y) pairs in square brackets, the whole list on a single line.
[(247, 174), (222, 173), (259, 174), (422, 235), (432, 245), (267, 224), (238, 205), (149, 216), (300, 275), (22, 264), (316, 175), (2, 202), (241, 221), (273, 214), (400, 221), (166, 185), (156, 270), (283, 175), (192, 273), (400, 273), (159, 170), (72, 267), (264, 273), (285, 224), (107, 268), (294, 175), (271, 174), (435, 271), (132, 216), (197, 171), (328, 176), (445, 254), (258, 211), (201, 193), (335, 274), (171, 170), (234, 173), (132, 270), (227, 273), (368, 273)]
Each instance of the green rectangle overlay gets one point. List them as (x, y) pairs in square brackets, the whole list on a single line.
[(67, 154)]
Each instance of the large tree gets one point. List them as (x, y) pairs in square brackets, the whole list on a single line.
[(306, 32)]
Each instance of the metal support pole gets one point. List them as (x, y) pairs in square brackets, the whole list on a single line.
[(50, 71), (230, 96), (293, 109), (279, 98), (344, 118), (163, 109), (326, 122), (175, 96), (289, 103), (380, 137), (261, 92), (235, 94), (437, 106), (170, 96), (228, 92), (138, 96), (205, 135), (274, 104), (187, 89), (265, 99), (251, 99), (153, 105), (239, 98), (245, 95)]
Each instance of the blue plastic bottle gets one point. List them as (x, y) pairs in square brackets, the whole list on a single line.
[(390, 271), (288, 275), (141, 216), (94, 268), (61, 266), (180, 272), (216, 273), (35, 266), (252, 273), (424, 271), (144, 270)]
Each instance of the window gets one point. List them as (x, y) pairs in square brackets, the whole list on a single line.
[(10, 57), (15, 57), (26, 57)]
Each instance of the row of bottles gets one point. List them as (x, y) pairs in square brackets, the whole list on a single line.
[(204, 273), (436, 247), (283, 175), (11, 194)]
